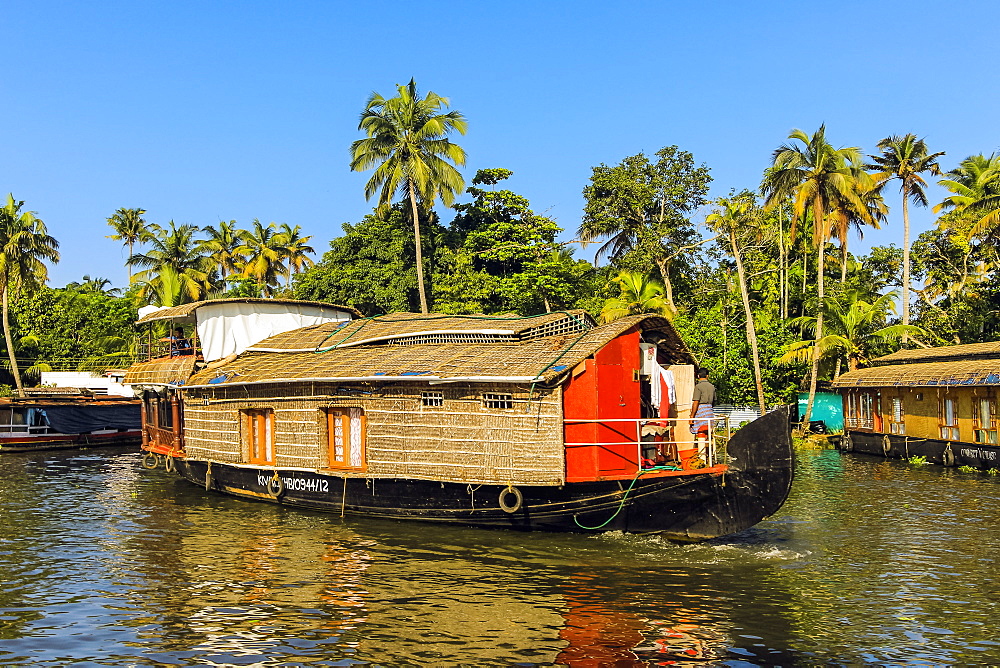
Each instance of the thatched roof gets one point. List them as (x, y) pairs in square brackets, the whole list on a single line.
[(412, 328), (161, 371), (942, 353), (406, 346), (976, 371), (185, 312)]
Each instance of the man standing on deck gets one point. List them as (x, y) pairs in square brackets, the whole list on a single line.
[(702, 405)]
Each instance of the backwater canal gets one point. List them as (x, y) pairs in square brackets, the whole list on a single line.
[(870, 561)]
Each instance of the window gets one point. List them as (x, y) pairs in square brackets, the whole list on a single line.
[(859, 411), (949, 419), (503, 401), (258, 430), (432, 399), (345, 433), (984, 415), (896, 417)]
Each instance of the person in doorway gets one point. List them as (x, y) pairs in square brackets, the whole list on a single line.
[(702, 405)]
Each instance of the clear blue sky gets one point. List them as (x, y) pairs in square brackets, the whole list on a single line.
[(208, 111)]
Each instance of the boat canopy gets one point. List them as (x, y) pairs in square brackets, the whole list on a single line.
[(229, 326)]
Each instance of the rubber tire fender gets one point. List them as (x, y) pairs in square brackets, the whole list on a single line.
[(886, 445), (518, 499), (847, 443), (150, 461), (170, 465), (276, 486), (948, 456)]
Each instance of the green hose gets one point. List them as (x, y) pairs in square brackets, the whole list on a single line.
[(625, 498)]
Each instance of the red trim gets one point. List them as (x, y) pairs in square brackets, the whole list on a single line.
[(714, 470), (69, 438)]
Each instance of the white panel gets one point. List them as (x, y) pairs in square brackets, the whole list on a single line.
[(230, 328)]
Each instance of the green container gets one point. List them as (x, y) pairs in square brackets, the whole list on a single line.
[(828, 407)]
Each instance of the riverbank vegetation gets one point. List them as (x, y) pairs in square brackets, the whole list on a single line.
[(761, 283)]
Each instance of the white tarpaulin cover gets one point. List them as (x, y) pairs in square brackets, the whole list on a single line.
[(230, 328)]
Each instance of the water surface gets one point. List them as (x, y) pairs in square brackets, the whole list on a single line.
[(103, 563)]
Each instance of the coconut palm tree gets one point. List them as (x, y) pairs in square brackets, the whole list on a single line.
[(222, 247), (639, 294), (738, 219), (174, 251), (264, 251), (297, 250), (853, 330), (408, 146), (130, 229), (25, 245), (845, 218), (905, 158), (975, 187), (819, 179)]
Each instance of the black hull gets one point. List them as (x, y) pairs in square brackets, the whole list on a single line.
[(689, 507), (946, 453)]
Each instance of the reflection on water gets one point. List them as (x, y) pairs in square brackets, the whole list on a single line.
[(870, 561)]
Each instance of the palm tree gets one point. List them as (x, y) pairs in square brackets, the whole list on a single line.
[(222, 247), (852, 333), (844, 217), (975, 185), (24, 246), (130, 228), (639, 294), (264, 252), (408, 146), (297, 251), (174, 255), (819, 179), (905, 158), (739, 220)]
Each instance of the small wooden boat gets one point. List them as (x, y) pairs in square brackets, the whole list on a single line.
[(546, 422), (51, 420)]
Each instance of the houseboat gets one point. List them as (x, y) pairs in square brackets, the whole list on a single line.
[(546, 422), (68, 418), (938, 403)]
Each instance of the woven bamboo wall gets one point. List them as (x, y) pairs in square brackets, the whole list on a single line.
[(460, 441)]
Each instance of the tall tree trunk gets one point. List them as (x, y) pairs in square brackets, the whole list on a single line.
[(843, 262), (751, 328), (420, 253), (906, 264), (129, 263), (10, 344), (782, 270), (814, 373), (668, 288)]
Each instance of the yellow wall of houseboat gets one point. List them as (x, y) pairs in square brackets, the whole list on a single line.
[(922, 410)]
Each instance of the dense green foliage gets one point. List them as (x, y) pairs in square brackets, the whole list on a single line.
[(743, 277)]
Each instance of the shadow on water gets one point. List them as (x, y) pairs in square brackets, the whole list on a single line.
[(869, 561)]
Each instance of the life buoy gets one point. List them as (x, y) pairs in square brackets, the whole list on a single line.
[(510, 490), (948, 456), (847, 443), (886, 445), (276, 486), (150, 460), (170, 465)]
